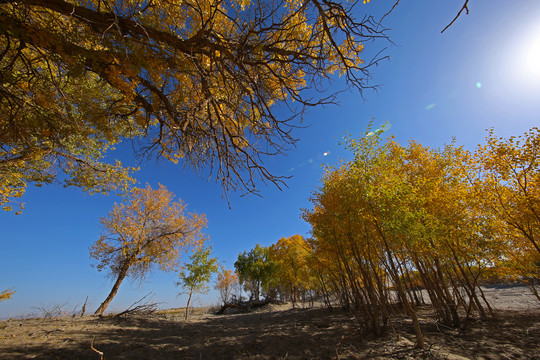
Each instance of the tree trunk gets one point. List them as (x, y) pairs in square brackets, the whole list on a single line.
[(397, 282), (188, 301), (258, 290), (116, 285)]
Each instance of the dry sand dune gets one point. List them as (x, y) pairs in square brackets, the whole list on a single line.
[(277, 332)]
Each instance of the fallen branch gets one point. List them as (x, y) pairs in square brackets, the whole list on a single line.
[(138, 308), (247, 306), (93, 348), (230, 306)]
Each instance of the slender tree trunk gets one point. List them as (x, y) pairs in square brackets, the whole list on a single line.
[(121, 276), (533, 289), (258, 290), (188, 301), (397, 282)]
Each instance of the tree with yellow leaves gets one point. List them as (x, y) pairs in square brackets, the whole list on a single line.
[(197, 80), (292, 276), (510, 191), (226, 283), (150, 230)]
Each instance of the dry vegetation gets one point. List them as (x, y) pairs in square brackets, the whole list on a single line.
[(277, 332)]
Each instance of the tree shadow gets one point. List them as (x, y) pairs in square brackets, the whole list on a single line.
[(296, 333)]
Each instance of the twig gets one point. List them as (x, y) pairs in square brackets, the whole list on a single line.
[(437, 324), (51, 312), (93, 348), (464, 7), (389, 12), (338, 346)]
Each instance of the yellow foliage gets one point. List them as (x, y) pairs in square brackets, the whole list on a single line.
[(408, 216), (6, 294), (226, 282)]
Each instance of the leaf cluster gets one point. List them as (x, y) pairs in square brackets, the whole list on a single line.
[(6, 294)]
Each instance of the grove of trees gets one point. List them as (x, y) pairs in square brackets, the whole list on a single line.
[(255, 270), (399, 226)]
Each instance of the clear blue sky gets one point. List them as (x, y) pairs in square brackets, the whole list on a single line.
[(483, 72)]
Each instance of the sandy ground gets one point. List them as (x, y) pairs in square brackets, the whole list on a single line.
[(277, 332)]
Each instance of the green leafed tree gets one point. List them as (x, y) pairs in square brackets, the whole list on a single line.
[(196, 274), (192, 80), (255, 270)]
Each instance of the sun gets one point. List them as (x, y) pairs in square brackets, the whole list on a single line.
[(527, 54), (532, 55)]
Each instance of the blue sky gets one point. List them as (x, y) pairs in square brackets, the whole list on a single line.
[(483, 72)]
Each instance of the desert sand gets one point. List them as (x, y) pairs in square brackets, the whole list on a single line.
[(277, 332)]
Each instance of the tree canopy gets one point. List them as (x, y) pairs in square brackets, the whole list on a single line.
[(444, 220), (192, 80)]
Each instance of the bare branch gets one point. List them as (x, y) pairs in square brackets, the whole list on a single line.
[(463, 8)]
